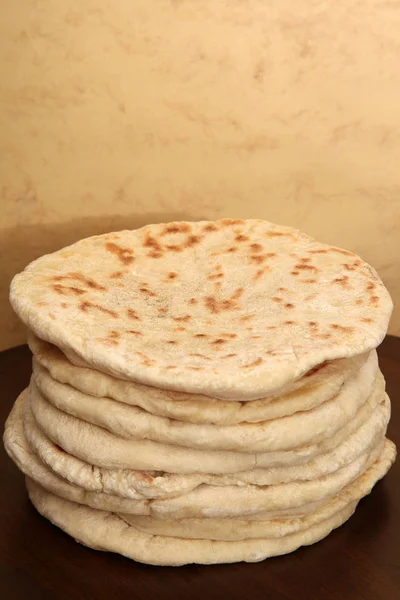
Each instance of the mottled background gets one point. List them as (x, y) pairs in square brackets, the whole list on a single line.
[(116, 114)]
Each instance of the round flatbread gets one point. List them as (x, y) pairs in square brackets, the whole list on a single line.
[(230, 309), (318, 385), (129, 483), (101, 448), (104, 531), (299, 429)]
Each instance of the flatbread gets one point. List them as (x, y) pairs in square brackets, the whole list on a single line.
[(104, 531), (152, 484), (299, 429), (318, 385), (230, 309), (98, 447), (29, 463), (239, 529)]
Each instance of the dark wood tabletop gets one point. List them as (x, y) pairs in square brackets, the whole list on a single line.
[(360, 560)]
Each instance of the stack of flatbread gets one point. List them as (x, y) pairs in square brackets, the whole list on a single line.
[(201, 392)]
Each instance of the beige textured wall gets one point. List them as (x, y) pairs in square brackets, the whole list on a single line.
[(115, 114)]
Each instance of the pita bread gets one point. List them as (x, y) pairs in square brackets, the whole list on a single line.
[(239, 529), (213, 501), (317, 386), (19, 450), (152, 484), (97, 446), (232, 309), (104, 531), (277, 434)]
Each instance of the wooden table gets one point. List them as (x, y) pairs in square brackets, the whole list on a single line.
[(358, 561)]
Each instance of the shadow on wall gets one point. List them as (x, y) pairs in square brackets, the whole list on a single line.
[(21, 245)]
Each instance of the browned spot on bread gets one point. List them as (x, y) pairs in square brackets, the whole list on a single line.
[(313, 324), (278, 234), (256, 248), (179, 329), (203, 356), (366, 320), (77, 276), (147, 292), (370, 286), (44, 303), (277, 299), (146, 360), (117, 275), (210, 227), (241, 238), (218, 342), (255, 337), (318, 251), (192, 301), (108, 341), (195, 368), (343, 281), (229, 356), (133, 332), (125, 255), (303, 267), (324, 336), (350, 266), (84, 306), (308, 281), (255, 363), (340, 251), (374, 300), (68, 290), (249, 328), (311, 297), (338, 327), (237, 293), (172, 342), (64, 305), (192, 240), (132, 314), (282, 289), (182, 319), (230, 222), (200, 335), (272, 327), (260, 273), (152, 242), (51, 315), (176, 228), (171, 367), (289, 305), (216, 306), (154, 254), (294, 272), (172, 275), (113, 334), (215, 276), (246, 318), (304, 260), (175, 247), (162, 311), (230, 336), (289, 322), (258, 258)]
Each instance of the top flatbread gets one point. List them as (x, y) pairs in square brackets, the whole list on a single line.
[(231, 309)]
